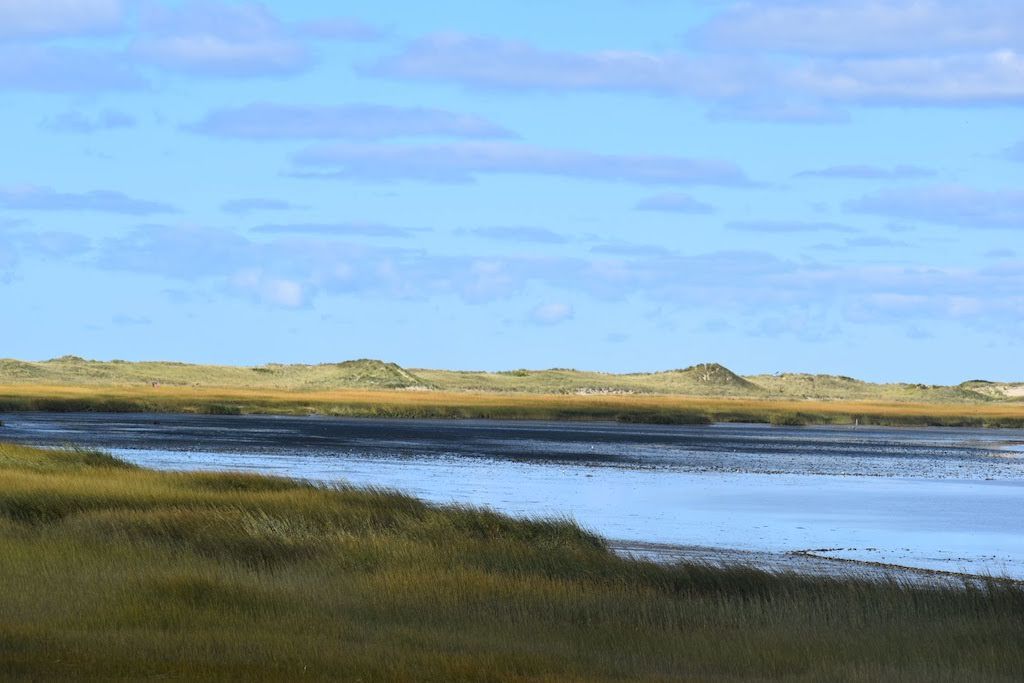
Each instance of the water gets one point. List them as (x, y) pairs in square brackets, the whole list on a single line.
[(941, 499)]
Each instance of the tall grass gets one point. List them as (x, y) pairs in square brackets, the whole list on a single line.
[(656, 409), (112, 571)]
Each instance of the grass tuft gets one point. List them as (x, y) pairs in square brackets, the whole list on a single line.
[(664, 418), (219, 409), (789, 420)]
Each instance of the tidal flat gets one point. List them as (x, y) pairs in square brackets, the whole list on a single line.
[(929, 499)]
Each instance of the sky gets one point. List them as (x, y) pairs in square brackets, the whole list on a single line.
[(616, 185)]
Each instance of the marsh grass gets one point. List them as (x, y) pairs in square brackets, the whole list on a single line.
[(665, 417), (654, 409), (113, 571), (793, 419)]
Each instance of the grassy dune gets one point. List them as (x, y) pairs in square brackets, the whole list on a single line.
[(704, 379), (107, 570), (694, 395), (75, 371), (658, 409)]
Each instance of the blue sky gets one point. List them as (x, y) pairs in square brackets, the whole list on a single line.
[(619, 185)]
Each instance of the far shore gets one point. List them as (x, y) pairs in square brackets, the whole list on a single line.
[(666, 409)]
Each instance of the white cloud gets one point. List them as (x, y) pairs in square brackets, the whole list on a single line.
[(517, 233), (867, 172), (50, 68), (34, 198), (265, 121), (50, 18), (276, 291), (341, 28), (777, 61), (789, 226), (337, 229), (292, 271), (213, 38), (46, 244), (247, 205), (957, 205), (989, 77), (486, 62), (551, 314), (1015, 152), (219, 39), (79, 122), (53, 243), (463, 162), (284, 293), (865, 27), (676, 202)]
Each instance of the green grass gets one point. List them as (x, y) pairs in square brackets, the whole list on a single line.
[(112, 571)]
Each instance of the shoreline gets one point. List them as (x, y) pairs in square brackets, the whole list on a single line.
[(802, 562)]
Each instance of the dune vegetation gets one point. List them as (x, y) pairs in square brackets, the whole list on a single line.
[(367, 388), (112, 571), (704, 379)]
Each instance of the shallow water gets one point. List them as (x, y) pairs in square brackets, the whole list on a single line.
[(943, 499)]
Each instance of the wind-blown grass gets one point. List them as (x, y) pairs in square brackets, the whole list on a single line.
[(113, 571)]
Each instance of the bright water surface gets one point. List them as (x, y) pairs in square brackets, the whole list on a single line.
[(945, 499)]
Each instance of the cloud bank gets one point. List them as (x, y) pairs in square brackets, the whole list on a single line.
[(955, 205), (464, 162), (31, 198), (779, 61), (266, 121)]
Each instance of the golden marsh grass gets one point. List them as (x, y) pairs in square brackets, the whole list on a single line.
[(505, 405)]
